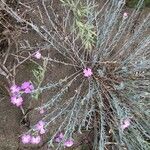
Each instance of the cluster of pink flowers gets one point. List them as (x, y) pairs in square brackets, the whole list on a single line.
[(87, 72), (16, 92), (29, 139), (67, 143)]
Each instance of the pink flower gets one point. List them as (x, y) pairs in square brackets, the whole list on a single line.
[(68, 143), (26, 138), (125, 15), (42, 111), (40, 127), (37, 55), (14, 89), (35, 140), (27, 87), (59, 137), (87, 72), (42, 131), (125, 123), (17, 100)]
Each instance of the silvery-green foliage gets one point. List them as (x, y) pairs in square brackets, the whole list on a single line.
[(119, 58)]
